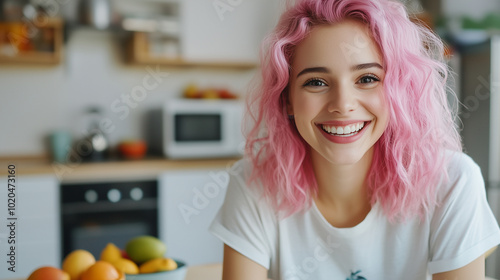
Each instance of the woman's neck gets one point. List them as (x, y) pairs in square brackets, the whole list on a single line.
[(342, 189)]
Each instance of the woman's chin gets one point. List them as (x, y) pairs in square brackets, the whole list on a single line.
[(340, 157)]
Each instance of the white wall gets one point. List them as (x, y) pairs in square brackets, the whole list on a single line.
[(39, 99)]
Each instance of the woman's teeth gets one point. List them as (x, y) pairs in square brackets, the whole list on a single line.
[(347, 130)]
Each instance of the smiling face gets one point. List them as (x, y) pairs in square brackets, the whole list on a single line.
[(336, 92)]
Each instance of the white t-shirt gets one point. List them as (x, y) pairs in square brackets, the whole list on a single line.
[(305, 246)]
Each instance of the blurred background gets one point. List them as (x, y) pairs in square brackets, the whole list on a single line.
[(82, 54), (67, 65)]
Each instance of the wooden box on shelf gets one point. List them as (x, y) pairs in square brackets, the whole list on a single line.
[(38, 42), (140, 52)]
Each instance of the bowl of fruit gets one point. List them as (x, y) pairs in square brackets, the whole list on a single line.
[(142, 259), (176, 271)]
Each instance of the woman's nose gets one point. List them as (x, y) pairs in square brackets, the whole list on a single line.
[(342, 100)]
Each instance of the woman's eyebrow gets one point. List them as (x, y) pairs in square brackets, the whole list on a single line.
[(326, 70), (365, 66), (314, 70)]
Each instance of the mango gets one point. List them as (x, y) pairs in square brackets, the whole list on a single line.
[(144, 248), (156, 265)]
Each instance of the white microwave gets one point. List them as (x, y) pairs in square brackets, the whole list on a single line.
[(200, 128)]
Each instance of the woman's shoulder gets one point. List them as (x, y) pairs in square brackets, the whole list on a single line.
[(462, 225), (463, 177), (240, 173), (242, 168), (240, 181), (461, 164)]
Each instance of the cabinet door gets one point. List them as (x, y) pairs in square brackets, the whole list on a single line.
[(33, 225), (188, 202)]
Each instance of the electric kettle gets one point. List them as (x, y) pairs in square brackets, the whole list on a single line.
[(96, 13), (94, 146)]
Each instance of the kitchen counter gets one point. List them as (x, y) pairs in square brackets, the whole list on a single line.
[(107, 170)]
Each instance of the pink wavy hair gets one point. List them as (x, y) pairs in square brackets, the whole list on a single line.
[(408, 160)]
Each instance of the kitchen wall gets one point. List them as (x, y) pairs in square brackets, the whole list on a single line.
[(456, 8), (475, 9), (39, 99)]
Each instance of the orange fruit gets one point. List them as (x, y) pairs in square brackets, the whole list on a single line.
[(111, 253), (77, 262), (49, 273), (210, 94), (102, 270), (126, 266)]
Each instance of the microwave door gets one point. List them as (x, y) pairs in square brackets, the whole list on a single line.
[(198, 128), (198, 136)]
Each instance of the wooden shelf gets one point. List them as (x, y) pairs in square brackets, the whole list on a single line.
[(31, 57), (53, 28), (138, 53)]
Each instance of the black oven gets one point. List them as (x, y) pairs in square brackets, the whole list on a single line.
[(94, 214)]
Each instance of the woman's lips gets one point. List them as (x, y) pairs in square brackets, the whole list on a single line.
[(343, 132)]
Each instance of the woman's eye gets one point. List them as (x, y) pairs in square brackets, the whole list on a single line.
[(315, 83), (368, 79)]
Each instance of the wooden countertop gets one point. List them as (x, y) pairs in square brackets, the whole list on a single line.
[(108, 170)]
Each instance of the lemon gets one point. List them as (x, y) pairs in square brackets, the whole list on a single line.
[(126, 266)]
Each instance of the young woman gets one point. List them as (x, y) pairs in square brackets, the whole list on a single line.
[(354, 167)]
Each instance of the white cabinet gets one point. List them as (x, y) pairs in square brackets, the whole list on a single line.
[(218, 33), (36, 229), (188, 201), (225, 30)]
